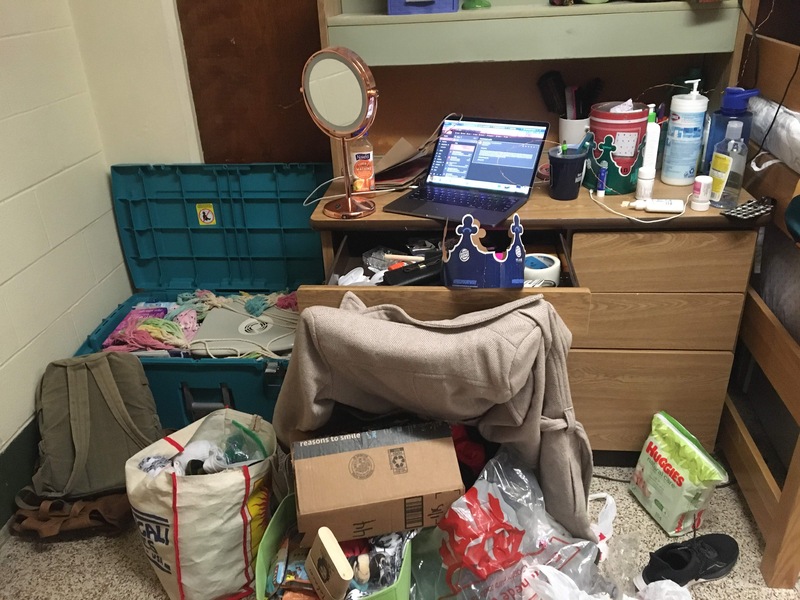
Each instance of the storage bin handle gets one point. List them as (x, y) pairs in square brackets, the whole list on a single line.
[(196, 409)]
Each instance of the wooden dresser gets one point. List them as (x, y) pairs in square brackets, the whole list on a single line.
[(654, 309)]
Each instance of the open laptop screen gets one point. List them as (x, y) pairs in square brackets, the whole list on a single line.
[(488, 155)]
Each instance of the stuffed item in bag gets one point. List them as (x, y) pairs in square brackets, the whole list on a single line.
[(675, 477)]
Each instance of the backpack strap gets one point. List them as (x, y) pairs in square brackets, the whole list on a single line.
[(110, 392), (79, 421)]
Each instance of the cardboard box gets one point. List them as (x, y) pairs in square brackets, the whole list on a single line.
[(365, 484)]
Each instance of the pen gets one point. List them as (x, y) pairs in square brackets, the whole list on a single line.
[(564, 147), (404, 258)]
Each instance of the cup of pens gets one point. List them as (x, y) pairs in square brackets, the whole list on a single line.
[(567, 168), (571, 131)]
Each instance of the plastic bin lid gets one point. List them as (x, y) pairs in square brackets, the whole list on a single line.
[(219, 227)]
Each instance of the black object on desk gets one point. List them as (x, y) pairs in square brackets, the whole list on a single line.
[(427, 271)]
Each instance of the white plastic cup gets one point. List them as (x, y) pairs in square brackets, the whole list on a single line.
[(572, 131)]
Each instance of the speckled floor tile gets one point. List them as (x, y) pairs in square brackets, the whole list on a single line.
[(726, 514), (116, 568)]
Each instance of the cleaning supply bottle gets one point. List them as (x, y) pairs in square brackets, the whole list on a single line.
[(727, 167), (734, 106), (684, 137), (361, 164), (652, 137)]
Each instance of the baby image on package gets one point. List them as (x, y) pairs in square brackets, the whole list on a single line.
[(675, 477)]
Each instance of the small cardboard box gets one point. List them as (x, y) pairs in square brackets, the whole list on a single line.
[(365, 484)]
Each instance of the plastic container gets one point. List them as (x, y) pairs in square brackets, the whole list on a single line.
[(701, 193), (727, 167), (226, 228), (567, 170), (404, 7), (644, 183), (734, 106), (284, 517), (684, 137), (362, 164), (618, 140)]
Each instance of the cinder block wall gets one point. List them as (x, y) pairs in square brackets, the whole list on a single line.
[(83, 84)]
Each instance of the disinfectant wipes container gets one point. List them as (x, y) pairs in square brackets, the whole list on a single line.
[(675, 477)]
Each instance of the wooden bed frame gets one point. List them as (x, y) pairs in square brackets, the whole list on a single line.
[(776, 511)]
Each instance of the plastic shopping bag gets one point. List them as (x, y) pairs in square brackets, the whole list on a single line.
[(201, 532), (491, 541)]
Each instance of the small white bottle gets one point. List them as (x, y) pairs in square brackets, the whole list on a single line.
[(644, 183), (657, 205)]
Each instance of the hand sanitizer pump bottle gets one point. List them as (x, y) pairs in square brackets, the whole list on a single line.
[(684, 137), (727, 167)]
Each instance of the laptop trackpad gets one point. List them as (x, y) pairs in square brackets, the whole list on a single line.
[(406, 204)]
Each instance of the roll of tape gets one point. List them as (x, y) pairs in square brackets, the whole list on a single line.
[(542, 266)]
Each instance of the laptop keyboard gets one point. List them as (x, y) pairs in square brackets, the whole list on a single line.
[(467, 198)]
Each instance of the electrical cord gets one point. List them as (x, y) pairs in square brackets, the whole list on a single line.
[(753, 46), (422, 147), (632, 218), (780, 105), (638, 220)]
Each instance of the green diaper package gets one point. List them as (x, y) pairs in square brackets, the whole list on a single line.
[(675, 477)]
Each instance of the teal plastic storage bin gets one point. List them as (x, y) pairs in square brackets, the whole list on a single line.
[(225, 228)]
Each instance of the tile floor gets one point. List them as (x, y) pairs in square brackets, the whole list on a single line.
[(115, 568)]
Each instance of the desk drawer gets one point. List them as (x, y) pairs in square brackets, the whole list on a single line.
[(431, 303), (664, 261), (666, 321), (616, 393)]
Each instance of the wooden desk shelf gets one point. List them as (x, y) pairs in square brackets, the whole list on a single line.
[(514, 30)]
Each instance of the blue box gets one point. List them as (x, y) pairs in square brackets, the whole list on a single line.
[(404, 7), (225, 228)]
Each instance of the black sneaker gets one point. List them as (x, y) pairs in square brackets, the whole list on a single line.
[(704, 558)]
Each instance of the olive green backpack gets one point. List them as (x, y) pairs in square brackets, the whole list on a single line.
[(94, 412)]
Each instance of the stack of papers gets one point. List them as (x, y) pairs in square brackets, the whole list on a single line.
[(402, 165)]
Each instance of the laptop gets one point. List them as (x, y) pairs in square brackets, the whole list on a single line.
[(482, 167), (225, 333)]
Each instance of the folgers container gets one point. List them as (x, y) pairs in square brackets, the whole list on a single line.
[(618, 140)]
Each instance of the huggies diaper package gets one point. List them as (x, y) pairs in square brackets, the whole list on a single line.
[(675, 477)]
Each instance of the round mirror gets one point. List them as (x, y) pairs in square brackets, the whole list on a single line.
[(340, 95)]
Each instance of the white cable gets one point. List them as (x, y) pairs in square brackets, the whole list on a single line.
[(262, 350), (331, 180), (638, 220)]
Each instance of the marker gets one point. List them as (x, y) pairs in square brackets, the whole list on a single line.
[(601, 179), (564, 147)]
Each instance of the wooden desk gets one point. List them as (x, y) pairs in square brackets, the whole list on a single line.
[(654, 309)]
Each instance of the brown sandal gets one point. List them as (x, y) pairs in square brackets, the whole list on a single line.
[(58, 519)]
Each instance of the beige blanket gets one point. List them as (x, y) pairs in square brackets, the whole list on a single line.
[(502, 370)]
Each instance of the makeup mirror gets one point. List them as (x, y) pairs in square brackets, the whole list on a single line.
[(340, 95)]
